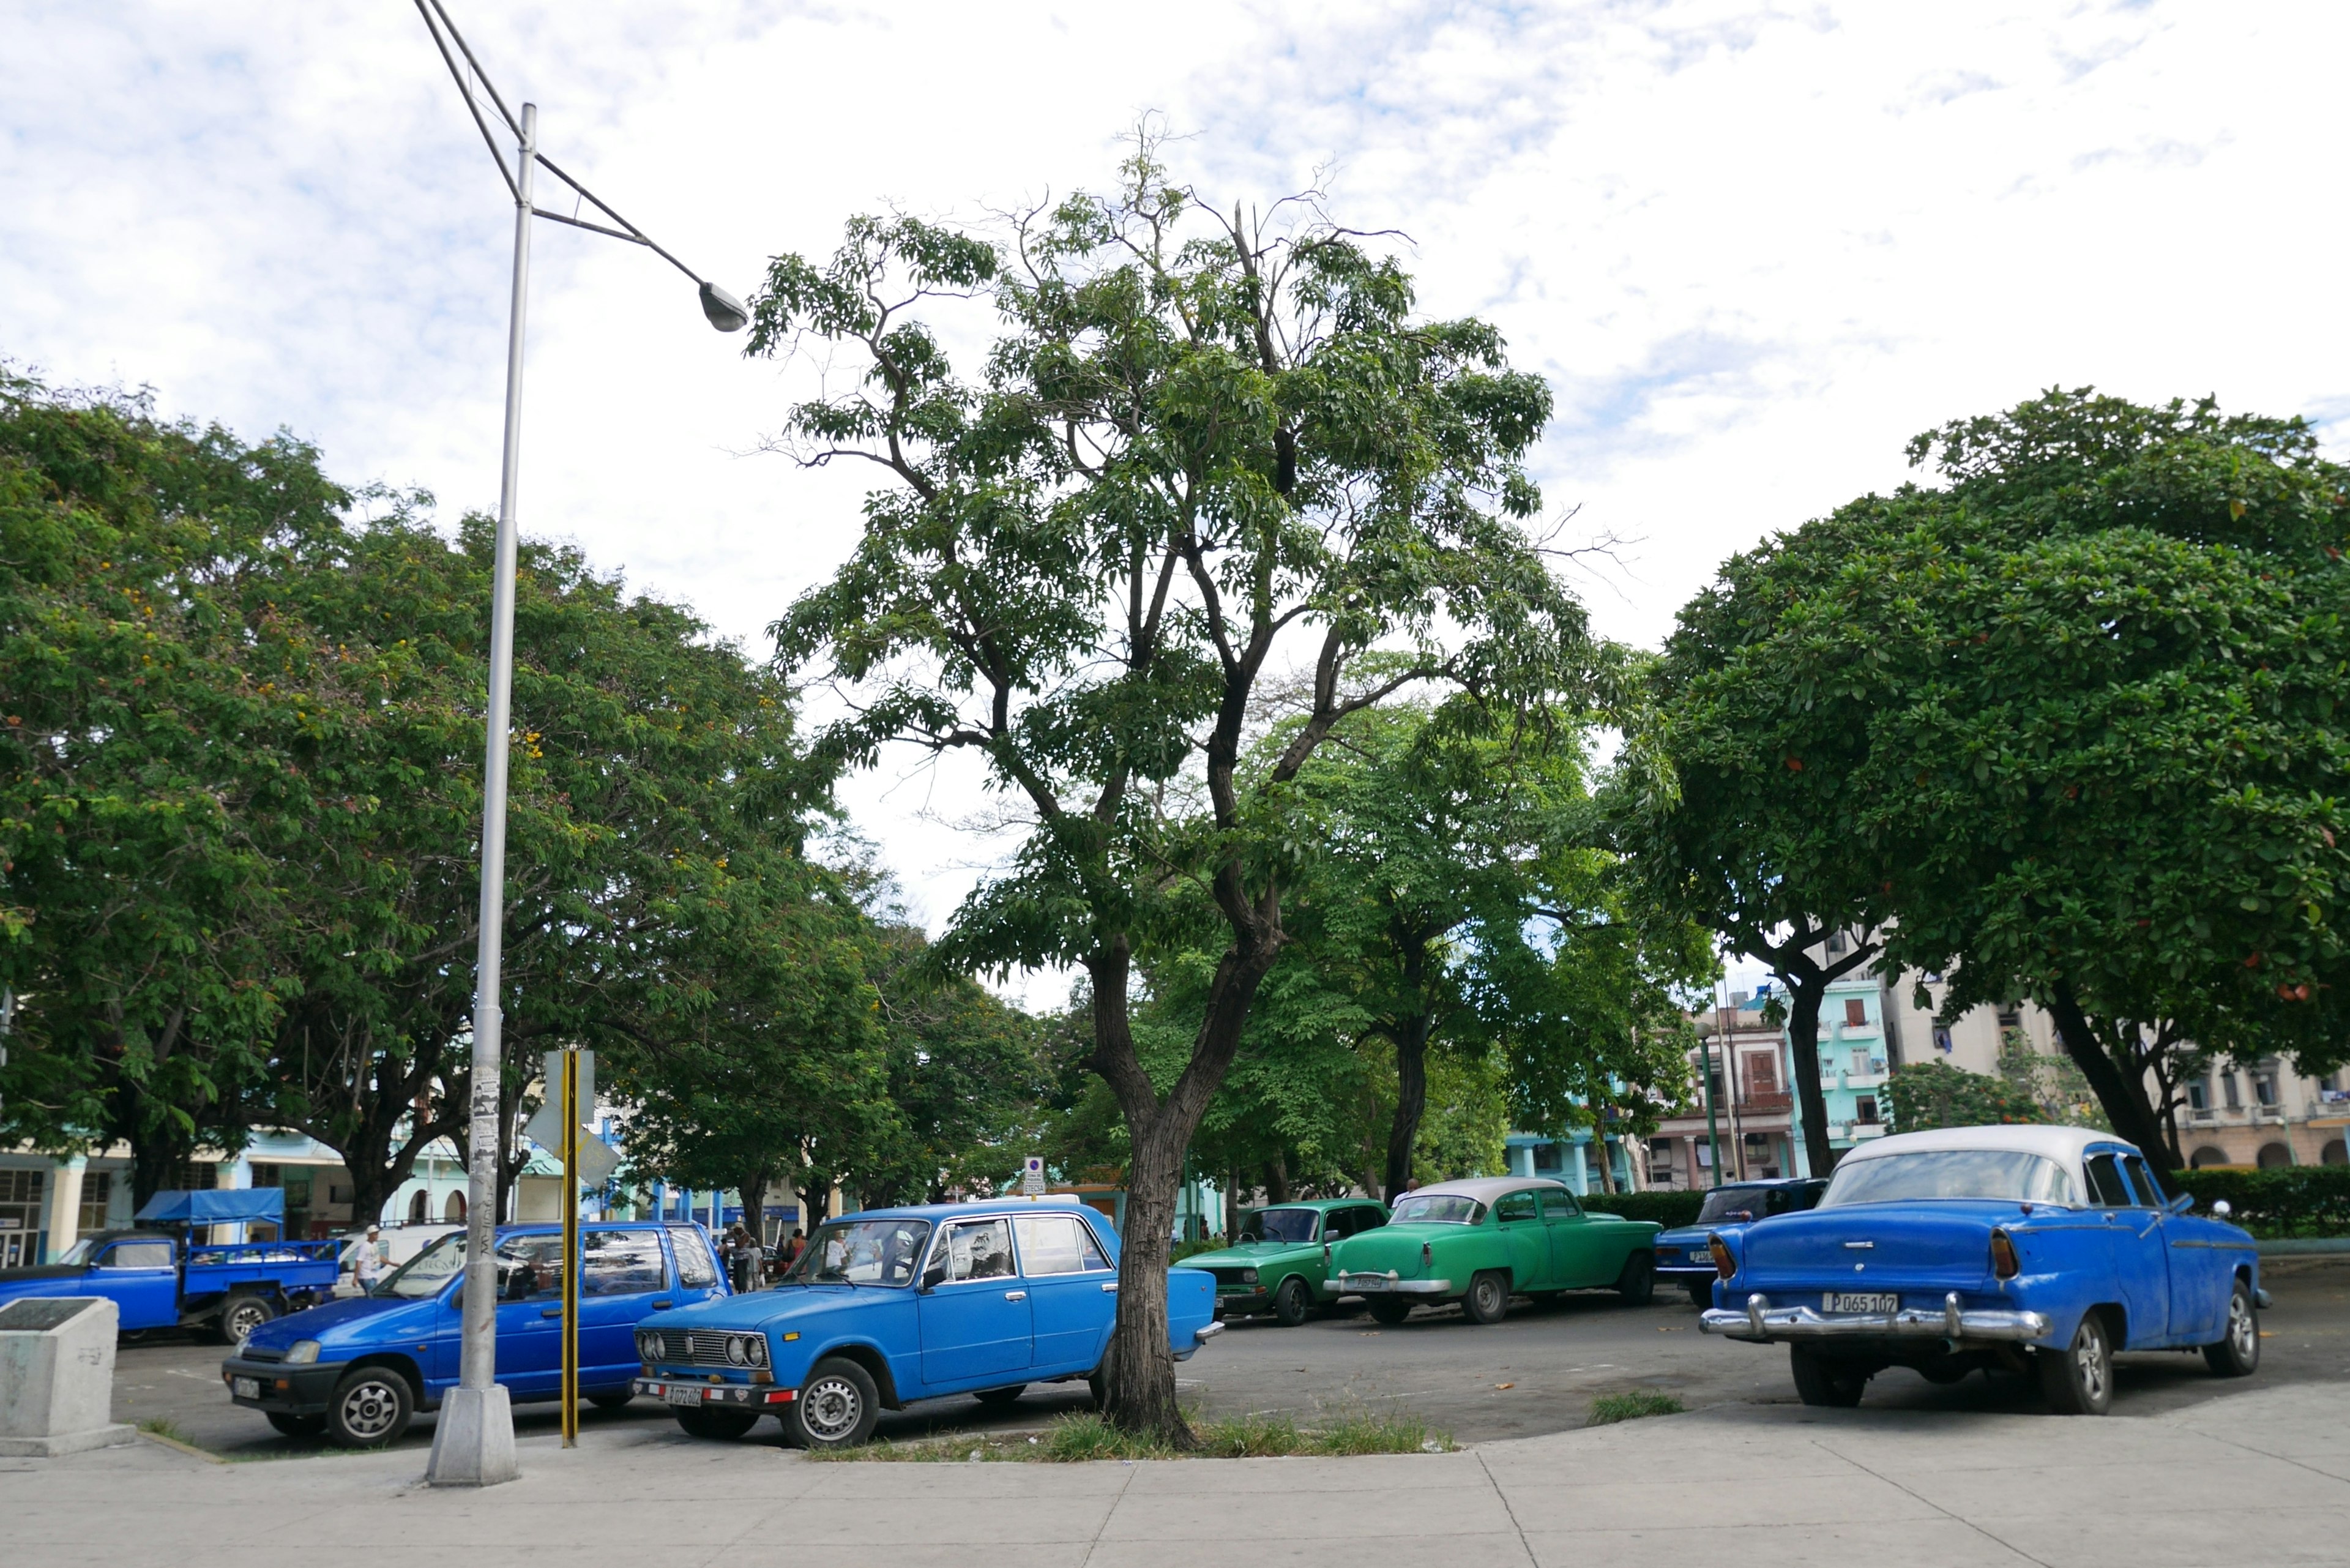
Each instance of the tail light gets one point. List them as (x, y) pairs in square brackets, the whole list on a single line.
[(2004, 1261), (1723, 1263)]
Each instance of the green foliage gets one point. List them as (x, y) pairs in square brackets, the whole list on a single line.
[(1610, 1409), (1926, 1095), (2301, 1200), (1087, 1438), (1667, 1209), (2056, 1089)]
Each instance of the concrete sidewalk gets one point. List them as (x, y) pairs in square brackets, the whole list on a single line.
[(2260, 1478)]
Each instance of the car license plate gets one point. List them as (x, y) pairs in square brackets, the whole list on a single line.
[(677, 1396), (247, 1387), (1364, 1283), (1869, 1302)]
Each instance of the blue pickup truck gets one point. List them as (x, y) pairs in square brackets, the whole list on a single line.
[(158, 1276)]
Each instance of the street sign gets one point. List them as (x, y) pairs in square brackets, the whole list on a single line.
[(595, 1161), (1031, 1177)]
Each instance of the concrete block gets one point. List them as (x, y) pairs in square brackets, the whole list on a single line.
[(474, 1440), (56, 1377)]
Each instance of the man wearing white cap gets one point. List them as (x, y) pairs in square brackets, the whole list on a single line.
[(368, 1266)]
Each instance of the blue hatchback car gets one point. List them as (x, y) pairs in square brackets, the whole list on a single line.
[(892, 1305), (359, 1369), (1685, 1255)]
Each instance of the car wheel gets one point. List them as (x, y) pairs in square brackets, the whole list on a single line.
[(724, 1424), (1488, 1300), (1293, 1303), (242, 1315), (836, 1407), (297, 1426), (997, 1398), (371, 1407), (2239, 1354), (1702, 1293), (1819, 1381), (617, 1399), (1638, 1283), (1389, 1311), (2079, 1379), (1097, 1380)]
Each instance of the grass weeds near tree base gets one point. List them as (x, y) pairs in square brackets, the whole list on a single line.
[(1076, 1439), (1610, 1409)]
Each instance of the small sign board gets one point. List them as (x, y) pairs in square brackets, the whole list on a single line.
[(1031, 1177)]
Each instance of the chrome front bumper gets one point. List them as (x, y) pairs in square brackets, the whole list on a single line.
[(1388, 1285), (1763, 1323)]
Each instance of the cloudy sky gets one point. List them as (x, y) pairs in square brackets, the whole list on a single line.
[(1753, 246)]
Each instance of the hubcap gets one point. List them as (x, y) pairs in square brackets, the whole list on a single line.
[(2239, 1325), (369, 1409), (243, 1321), (830, 1408), (2090, 1357)]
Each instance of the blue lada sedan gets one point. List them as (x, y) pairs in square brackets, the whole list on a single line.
[(2044, 1249), (1685, 1256), (358, 1370), (892, 1305)]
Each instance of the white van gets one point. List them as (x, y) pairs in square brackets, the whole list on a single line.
[(396, 1244)]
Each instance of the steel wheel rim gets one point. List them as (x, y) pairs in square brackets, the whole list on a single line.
[(2089, 1360), (1488, 1292), (242, 1321), (369, 1409), (830, 1407), (2240, 1332)]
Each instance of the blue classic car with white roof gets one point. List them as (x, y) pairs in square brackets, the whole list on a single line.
[(1685, 1255), (892, 1305), (2039, 1249)]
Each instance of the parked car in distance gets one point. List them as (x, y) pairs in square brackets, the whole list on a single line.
[(1280, 1263), (2041, 1249), (359, 1369), (1482, 1240), (1683, 1254), (892, 1305)]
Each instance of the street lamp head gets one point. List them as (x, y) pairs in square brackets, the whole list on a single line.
[(726, 313)]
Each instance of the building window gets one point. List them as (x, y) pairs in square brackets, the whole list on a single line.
[(2207, 1156), (2198, 1094), (1943, 1042), (2264, 1088), (1864, 1110), (97, 1198), (1547, 1156), (1860, 1060), (1855, 1012), (1762, 1074), (420, 1206), (200, 1176), (2230, 1094)]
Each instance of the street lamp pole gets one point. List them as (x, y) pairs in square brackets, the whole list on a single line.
[(472, 1442)]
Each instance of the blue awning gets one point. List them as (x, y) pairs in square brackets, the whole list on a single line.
[(224, 1205)]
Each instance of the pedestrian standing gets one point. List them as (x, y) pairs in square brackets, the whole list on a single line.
[(368, 1268), (740, 1252), (794, 1248)]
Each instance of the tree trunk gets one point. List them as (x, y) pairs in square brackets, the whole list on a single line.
[(1803, 1045), (1277, 1179), (753, 1189), (1599, 1146), (1411, 1101), (2123, 1095)]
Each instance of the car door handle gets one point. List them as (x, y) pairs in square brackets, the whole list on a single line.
[(550, 1312), (1109, 1287), (662, 1304), (1016, 1295)]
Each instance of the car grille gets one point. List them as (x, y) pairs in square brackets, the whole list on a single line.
[(1231, 1279), (254, 1353), (697, 1347)]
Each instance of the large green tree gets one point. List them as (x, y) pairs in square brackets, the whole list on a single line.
[(1197, 440)]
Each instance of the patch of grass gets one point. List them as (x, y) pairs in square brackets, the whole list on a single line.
[(165, 1427), (1087, 1438), (1610, 1409)]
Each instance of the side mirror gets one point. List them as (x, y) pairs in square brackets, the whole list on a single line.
[(934, 1276), (2181, 1204), (2221, 1209)]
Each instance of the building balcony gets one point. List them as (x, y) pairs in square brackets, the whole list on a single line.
[(1765, 1104)]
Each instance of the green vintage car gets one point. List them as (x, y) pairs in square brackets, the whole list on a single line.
[(1282, 1259), (1479, 1243)]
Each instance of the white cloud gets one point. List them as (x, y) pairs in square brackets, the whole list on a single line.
[(1755, 247)]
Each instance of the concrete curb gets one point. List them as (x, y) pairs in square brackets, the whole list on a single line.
[(187, 1448), (2290, 1247)]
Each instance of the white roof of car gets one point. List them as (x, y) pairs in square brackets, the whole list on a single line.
[(1485, 1188), (2064, 1144)]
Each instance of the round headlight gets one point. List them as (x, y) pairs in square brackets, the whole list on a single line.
[(647, 1349), (735, 1352), (755, 1345), (304, 1352), (1248, 1276)]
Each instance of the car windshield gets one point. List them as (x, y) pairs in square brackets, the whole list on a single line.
[(1999, 1174), (81, 1250), (1436, 1209), (862, 1253), (1733, 1205), (424, 1274), (1279, 1225)]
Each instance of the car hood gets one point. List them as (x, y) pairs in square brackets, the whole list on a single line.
[(781, 1304), (1253, 1255), (40, 1280), (352, 1318)]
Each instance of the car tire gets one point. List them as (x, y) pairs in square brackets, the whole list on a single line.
[(2079, 1379), (2238, 1353), (1097, 1380), (242, 1315), (1701, 1294), (1293, 1303), (1637, 1284), (1488, 1300), (296, 1426), (836, 1407), (722, 1424), (370, 1407), (616, 1400), (1819, 1381), (1001, 1398), (1389, 1311)]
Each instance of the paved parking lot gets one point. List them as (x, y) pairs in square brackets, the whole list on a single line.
[(1535, 1373)]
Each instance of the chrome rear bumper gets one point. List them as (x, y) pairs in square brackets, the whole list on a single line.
[(1385, 1285), (1763, 1323)]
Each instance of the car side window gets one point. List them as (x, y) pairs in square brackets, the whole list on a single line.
[(979, 1250), (1560, 1205), (1514, 1207), (696, 1271), (1368, 1218), (530, 1268), (138, 1255), (2106, 1189), (1347, 1222), (2149, 1191), (1055, 1245), (621, 1264)]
